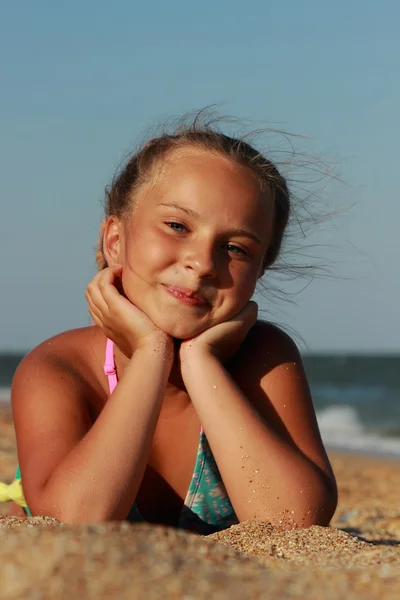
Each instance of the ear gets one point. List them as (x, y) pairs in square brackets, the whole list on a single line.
[(113, 241)]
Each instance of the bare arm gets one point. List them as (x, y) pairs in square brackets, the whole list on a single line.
[(264, 434), (72, 469), (75, 471)]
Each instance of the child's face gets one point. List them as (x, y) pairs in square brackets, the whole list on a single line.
[(194, 246)]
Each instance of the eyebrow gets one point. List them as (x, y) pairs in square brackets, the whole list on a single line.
[(195, 215)]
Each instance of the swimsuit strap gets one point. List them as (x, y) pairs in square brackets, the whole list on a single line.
[(109, 366)]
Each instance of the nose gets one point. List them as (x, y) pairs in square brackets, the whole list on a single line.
[(200, 259)]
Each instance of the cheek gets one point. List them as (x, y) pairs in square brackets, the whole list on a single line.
[(149, 251), (243, 283), (244, 279)]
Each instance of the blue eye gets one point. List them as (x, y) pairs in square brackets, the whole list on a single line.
[(176, 226), (235, 249)]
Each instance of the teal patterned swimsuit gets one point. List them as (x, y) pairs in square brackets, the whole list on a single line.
[(207, 507)]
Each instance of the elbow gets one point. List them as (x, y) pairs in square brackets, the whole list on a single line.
[(71, 515), (82, 514), (67, 515), (70, 512), (319, 507), (302, 509)]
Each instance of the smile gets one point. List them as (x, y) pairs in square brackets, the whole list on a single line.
[(186, 296)]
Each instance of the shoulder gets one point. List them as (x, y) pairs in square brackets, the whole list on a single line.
[(269, 369), (56, 394), (70, 358), (265, 348), (268, 334), (64, 351)]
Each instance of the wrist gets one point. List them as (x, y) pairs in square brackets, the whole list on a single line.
[(194, 354), (154, 360), (157, 342), (194, 366)]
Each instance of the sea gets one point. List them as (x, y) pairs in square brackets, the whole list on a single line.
[(356, 397)]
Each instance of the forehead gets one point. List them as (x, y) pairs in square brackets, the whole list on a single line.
[(216, 187)]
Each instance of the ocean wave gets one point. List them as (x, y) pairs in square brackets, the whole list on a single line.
[(351, 393), (341, 428), (5, 395)]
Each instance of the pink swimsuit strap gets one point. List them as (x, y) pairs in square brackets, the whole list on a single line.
[(109, 366)]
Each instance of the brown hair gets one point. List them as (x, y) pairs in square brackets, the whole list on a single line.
[(140, 166)]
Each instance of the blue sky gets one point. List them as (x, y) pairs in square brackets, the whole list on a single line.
[(81, 82)]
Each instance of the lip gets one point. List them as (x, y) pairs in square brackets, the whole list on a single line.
[(187, 296)]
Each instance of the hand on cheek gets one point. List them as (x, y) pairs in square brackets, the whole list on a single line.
[(120, 320), (222, 340)]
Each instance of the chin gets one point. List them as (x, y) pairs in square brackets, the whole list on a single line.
[(182, 331)]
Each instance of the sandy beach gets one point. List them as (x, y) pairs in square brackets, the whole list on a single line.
[(357, 557)]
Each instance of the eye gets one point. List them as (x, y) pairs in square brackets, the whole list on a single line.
[(176, 226), (235, 249)]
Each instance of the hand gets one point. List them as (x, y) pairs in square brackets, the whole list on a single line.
[(121, 321), (222, 340)]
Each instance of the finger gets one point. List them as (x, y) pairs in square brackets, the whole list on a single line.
[(97, 316), (110, 293), (97, 321), (108, 273), (108, 276), (115, 301), (96, 282), (101, 325), (95, 298), (113, 272), (103, 281), (111, 280), (95, 311)]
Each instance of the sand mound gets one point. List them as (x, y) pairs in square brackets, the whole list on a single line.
[(250, 560), (119, 561), (360, 560)]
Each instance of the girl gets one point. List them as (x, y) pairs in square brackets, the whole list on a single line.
[(179, 406)]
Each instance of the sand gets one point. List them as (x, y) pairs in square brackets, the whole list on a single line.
[(357, 557)]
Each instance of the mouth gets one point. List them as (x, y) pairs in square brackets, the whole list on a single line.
[(187, 296)]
